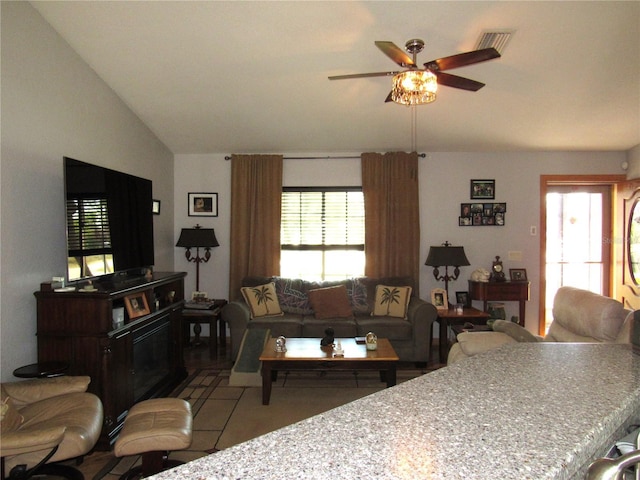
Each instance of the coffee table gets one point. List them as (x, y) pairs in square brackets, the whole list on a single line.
[(307, 354)]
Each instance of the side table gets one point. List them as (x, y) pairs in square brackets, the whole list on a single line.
[(447, 318), (41, 370), (211, 316)]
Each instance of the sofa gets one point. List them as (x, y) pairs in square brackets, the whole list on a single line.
[(578, 316), (300, 308)]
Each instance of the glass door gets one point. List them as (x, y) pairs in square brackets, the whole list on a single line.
[(577, 241)]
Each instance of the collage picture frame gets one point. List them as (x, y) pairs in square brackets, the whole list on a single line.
[(482, 214)]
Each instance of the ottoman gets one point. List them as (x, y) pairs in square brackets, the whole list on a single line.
[(153, 428)]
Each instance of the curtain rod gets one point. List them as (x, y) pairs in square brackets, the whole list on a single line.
[(327, 157)]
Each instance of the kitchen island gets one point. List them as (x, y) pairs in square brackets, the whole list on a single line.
[(525, 411)]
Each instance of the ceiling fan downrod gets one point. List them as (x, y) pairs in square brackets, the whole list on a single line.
[(414, 47)]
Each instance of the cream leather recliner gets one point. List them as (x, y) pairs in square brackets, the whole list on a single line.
[(45, 421), (578, 316)]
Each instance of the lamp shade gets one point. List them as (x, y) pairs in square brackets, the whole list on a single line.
[(414, 87), (446, 256), (197, 237)]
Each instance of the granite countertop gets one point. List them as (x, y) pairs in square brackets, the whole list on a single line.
[(525, 411)]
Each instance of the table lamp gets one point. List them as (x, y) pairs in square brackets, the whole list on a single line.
[(446, 256), (197, 237)]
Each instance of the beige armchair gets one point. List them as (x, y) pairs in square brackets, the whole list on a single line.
[(44, 421), (578, 316)]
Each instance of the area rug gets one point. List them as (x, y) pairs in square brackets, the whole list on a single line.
[(224, 415)]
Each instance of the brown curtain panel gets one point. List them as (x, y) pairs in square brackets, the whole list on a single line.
[(256, 197), (392, 220)]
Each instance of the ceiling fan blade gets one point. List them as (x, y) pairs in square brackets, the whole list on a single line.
[(458, 82), (388, 99), (392, 51), (462, 59), (363, 75)]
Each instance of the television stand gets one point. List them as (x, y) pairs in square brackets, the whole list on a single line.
[(127, 363)]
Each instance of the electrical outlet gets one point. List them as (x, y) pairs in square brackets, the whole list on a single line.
[(533, 230)]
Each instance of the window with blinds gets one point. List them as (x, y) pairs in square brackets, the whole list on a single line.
[(322, 233), (88, 237)]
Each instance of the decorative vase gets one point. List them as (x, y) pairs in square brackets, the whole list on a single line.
[(496, 311)]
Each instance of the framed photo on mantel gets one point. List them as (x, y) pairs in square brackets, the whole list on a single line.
[(137, 305)]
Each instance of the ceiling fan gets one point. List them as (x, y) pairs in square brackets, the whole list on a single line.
[(433, 69)]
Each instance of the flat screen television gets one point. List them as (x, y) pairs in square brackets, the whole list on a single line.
[(109, 221)]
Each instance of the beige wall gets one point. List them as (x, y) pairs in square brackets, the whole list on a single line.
[(444, 185), (54, 105), (633, 163)]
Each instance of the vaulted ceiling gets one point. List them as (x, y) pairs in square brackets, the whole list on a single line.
[(246, 77)]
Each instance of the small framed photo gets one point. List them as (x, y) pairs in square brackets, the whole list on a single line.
[(518, 274), (439, 299), (483, 189), (465, 209), (155, 207), (137, 305), (463, 299), (203, 204)]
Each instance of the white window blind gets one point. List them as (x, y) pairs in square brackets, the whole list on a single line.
[(322, 233), (322, 220)]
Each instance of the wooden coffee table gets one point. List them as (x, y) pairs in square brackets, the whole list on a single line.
[(307, 354)]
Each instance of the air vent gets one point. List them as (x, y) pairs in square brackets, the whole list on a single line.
[(495, 39)]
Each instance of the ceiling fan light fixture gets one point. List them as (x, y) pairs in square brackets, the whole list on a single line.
[(414, 87)]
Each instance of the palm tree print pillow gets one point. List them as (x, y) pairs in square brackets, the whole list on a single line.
[(391, 301), (262, 300)]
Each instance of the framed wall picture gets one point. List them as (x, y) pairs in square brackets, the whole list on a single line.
[(155, 207), (483, 189), (482, 214), (439, 299), (137, 305), (203, 204), (518, 274)]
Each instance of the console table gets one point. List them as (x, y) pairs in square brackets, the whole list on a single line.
[(502, 292), (128, 362)]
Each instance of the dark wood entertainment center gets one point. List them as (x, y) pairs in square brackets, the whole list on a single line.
[(138, 360)]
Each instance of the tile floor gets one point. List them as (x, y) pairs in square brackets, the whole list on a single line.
[(211, 415)]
